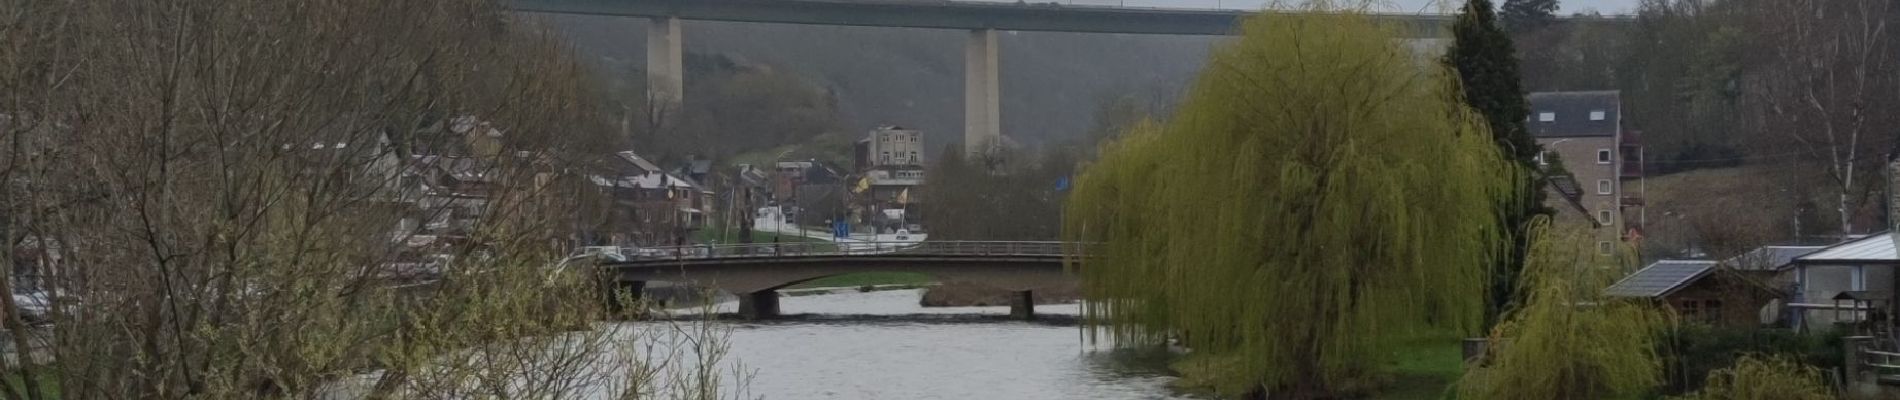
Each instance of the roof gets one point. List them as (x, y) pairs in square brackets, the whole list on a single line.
[(1572, 111), (1566, 188), (634, 160), (647, 181), (821, 174), (1871, 249), (1769, 258), (1660, 278), (1861, 295)]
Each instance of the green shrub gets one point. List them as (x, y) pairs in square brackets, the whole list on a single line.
[(1758, 377), (1693, 351)]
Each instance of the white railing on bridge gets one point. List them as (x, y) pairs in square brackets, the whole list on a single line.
[(806, 249)]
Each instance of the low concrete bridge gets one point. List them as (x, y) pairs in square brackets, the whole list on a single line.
[(755, 272)]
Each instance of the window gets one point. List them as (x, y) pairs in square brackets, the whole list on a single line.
[(1604, 186), (1605, 248), (1605, 216), (1596, 115), (1546, 117), (1603, 156)]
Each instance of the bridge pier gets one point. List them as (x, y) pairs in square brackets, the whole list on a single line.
[(759, 305), (666, 67), (982, 99), (1022, 305)]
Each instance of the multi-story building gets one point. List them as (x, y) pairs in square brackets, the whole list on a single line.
[(892, 146), (1601, 164), (890, 168)]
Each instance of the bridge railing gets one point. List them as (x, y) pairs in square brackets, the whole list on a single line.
[(801, 249)]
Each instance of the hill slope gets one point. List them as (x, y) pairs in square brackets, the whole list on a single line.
[(1052, 82)]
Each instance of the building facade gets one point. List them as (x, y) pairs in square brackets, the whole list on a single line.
[(890, 171), (893, 146), (1584, 143)]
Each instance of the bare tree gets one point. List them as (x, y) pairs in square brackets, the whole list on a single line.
[(1827, 76), (266, 199)]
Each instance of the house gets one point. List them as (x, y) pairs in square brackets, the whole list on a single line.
[(1862, 268), (1735, 292), (890, 146), (650, 207), (890, 171), (1585, 131), (787, 176)]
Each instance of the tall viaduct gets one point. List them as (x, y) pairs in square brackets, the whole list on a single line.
[(982, 95)]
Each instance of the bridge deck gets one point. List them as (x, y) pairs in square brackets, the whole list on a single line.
[(802, 251), (964, 15)]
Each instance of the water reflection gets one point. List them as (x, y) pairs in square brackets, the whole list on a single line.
[(933, 357)]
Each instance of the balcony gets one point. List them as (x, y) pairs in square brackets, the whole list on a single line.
[(1632, 162)]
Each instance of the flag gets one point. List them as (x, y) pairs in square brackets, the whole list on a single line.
[(903, 197), (863, 185)]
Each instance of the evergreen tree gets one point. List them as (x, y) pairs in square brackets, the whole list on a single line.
[(1487, 67), (1526, 15)]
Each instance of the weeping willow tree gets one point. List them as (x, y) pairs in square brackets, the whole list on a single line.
[(1569, 341), (1321, 192)]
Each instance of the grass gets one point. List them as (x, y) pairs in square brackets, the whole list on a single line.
[(1425, 367), (861, 279), (48, 387)]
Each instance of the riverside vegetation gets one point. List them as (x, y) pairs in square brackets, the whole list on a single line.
[(209, 191)]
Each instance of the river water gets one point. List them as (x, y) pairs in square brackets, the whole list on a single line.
[(883, 345)]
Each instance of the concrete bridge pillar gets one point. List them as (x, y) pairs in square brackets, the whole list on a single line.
[(1022, 305), (759, 305), (982, 100), (666, 67)]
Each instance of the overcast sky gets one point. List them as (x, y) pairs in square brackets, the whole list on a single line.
[(1569, 6)]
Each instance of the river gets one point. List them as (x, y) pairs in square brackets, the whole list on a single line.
[(883, 345)]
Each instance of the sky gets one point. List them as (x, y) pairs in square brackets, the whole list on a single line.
[(1568, 6)]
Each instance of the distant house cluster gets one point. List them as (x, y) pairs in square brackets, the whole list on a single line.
[(871, 196), (1801, 287)]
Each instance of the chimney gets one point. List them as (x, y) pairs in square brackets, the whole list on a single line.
[(1893, 196)]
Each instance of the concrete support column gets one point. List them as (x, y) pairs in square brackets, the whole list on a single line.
[(666, 66), (982, 100), (758, 305), (1022, 305)]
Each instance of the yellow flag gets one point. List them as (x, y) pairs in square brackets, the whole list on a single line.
[(903, 197), (863, 185)]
